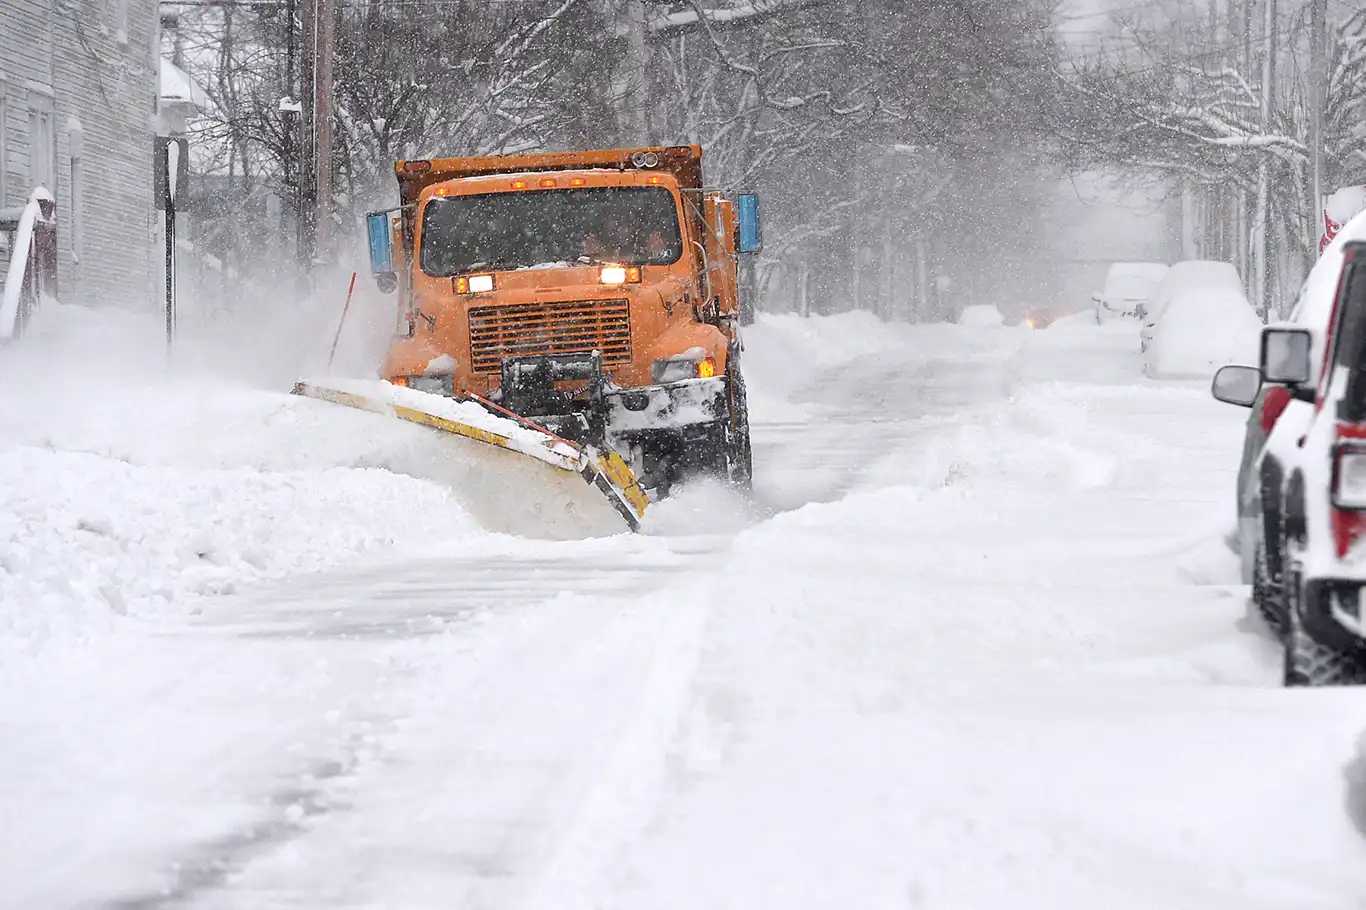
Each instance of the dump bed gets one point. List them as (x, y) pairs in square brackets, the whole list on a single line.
[(684, 162)]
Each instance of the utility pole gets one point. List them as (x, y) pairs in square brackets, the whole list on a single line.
[(1318, 79), (1262, 246), (315, 178), (634, 86)]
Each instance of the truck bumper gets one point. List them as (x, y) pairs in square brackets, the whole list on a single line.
[(665, 407)]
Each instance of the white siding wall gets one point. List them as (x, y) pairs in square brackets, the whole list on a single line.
[(69, 58)]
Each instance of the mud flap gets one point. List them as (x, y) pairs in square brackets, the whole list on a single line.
[(605, 471)]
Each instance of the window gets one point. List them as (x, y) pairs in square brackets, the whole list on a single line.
[(42, 168), (1349, 336), (515, 230)]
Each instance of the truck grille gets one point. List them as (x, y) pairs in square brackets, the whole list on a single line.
[(558, 327)]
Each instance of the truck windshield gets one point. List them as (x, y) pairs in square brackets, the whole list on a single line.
[(504, 231)]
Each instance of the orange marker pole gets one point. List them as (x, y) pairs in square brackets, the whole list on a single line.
[(345, 310)]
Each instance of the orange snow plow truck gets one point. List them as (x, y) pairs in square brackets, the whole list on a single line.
[(593, 294)]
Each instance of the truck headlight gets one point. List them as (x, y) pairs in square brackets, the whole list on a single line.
[(1349, 478), (473, 284), (676, 369), (618, 274), (436, 385)]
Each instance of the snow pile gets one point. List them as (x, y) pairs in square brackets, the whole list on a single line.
[(125, 486), (87, 533), (466, 413)]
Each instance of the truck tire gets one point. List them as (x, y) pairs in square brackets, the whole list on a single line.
[(1266, 597), (1309, 663), (739, 450)]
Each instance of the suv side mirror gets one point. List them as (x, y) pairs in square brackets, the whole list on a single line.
[(1237, 385), (381, 250), (751, 230), (1286, 355)]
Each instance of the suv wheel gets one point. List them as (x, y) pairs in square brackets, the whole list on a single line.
[(1266, 597), (1307, 662)]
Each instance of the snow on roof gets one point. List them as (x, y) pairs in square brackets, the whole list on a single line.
[(1203, 273), (1315, 305), (178, 88)]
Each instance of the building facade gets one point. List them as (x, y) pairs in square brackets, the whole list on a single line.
[(78, 105)]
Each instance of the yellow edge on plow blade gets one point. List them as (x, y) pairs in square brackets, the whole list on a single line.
[(606, 471)]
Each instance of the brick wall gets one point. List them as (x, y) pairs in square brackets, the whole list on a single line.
[(70, 56)]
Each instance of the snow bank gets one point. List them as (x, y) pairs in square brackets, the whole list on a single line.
[(84, 535), (127, 486)]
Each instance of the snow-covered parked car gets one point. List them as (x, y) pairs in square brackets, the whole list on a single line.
[(1200, 319), (1320, 490), (1275, 426), (1128, 290), (981, 315)]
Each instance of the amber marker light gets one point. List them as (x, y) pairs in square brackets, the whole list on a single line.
[(548, 181), (706, 369), (519, 184), (578, 181)]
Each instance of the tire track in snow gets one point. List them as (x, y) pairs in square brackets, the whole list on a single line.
[(505, 751)]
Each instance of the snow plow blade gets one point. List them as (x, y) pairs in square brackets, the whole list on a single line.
[(606, 470)]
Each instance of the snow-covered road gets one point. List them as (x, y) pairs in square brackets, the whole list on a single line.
[(975, 643)]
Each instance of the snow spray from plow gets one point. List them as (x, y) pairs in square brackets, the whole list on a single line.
[(473, 419)]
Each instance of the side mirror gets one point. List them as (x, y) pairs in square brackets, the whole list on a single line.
[(1237, 385), (381, 250), (1286, 355), (751, 230)]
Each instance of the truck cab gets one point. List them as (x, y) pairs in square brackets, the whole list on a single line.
[(593, 293)]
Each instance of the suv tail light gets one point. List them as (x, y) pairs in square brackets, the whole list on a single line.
[(1347, 491), (1349, 477)]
